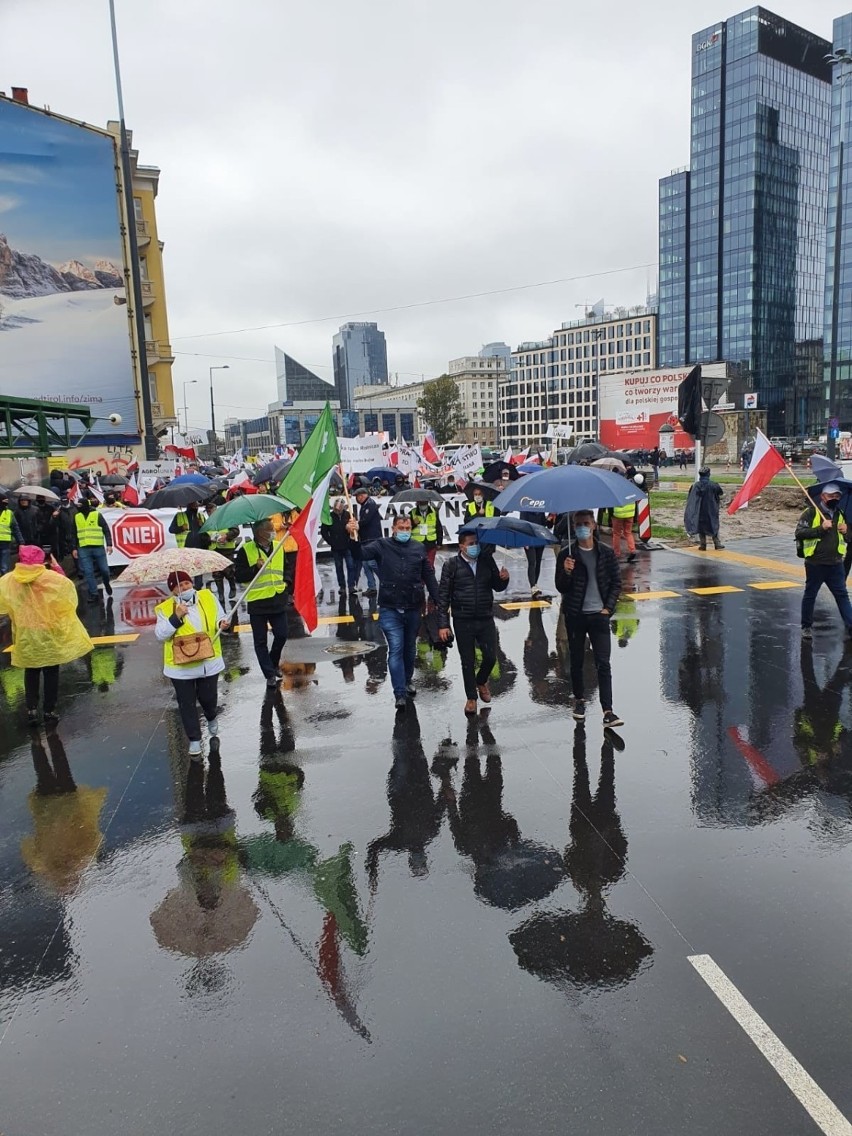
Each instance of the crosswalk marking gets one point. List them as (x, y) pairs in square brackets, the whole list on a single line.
[(525, 605), (723, 589), (100, 640), (651, 595), (774, 585)]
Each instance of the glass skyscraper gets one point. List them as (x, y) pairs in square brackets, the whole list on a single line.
[(743, 230), (838, 316), (360, 357)]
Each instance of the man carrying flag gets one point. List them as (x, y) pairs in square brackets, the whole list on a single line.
[(821, 536), (765, 463)]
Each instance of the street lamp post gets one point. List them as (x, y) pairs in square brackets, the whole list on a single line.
[(836, 59), (224, 367), (188, 383)]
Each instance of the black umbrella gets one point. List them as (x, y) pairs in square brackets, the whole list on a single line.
[(489, 492), (581, 950), (418, 497), (176, 496), (495, 471), (113, 479), (588, 451), (272, 471), (518, 874)]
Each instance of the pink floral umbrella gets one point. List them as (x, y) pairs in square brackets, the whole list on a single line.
[(156, 566)]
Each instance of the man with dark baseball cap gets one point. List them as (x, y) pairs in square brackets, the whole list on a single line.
[(821, 541)]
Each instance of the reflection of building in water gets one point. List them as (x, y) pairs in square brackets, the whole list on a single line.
[(731, 664)]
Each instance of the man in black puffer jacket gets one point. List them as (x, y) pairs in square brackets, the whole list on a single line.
[(403, 570), (587, 575), (468, 584)]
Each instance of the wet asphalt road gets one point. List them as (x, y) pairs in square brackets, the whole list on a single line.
[(362, 922)]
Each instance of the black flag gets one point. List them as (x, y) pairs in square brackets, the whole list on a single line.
[(689, 404)]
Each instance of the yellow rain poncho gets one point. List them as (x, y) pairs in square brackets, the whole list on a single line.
[(42, 606)]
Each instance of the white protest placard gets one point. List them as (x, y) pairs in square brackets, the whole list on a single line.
[(467, 459), (409, 459), (357, 455)]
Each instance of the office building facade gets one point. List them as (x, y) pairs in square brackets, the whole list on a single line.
[(296, 383), (742, 232), (554, 382), (360, 359), (837, 341)]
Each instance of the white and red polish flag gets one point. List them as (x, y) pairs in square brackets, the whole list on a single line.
[(130, 496), (430, 449), (766, 461), (306, 532)]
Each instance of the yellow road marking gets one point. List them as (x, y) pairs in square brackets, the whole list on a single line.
[(722, 590), (336, 619), (774, 585), (100, 640), (651, 595), (745, 559), (524, 606)]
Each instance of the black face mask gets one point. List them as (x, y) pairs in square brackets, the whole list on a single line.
[(831, 504)]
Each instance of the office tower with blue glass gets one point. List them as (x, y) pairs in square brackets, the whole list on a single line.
[(360, 358), (838, 275), (743, 229)]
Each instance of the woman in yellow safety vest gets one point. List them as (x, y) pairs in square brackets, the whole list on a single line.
[(188, 612)]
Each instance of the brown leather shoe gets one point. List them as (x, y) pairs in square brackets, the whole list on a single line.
[(470, 706), (484, 692)]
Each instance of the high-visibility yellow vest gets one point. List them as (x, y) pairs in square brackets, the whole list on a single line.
[(207, 604), (89, 531), (270, 582), (624, 511), (181, 523), (810, 546), (7, 518), (424, 528), (114, 505), (227, 545), (470, 509)]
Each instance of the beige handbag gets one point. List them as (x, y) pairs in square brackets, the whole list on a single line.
[(196, 647)]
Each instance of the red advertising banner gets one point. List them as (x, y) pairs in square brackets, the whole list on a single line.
[(634, 405)]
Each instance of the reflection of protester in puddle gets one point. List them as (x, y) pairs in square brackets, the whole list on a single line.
[(210, 912), (66, 819), (416, 810), (509, 870), (589, 949), (541, 665)]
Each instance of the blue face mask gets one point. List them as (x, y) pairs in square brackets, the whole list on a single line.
[(402, 537), (473, 550), (582, 532)]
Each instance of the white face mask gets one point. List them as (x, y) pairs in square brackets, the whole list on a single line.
[(187, 597)]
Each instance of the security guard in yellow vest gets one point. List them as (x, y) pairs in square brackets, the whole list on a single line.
[(426, 529), (94, 543), (479, 507), (190, 612), (622, 526), (821, 536), (10, 535), (263, 563)]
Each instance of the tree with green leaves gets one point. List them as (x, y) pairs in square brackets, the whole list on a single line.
[(441, 406)]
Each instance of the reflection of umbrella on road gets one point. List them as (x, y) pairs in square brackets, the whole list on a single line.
[(520, 873), (176, 496), (580, 949), (181, 923), (245, 511), (566, 489), (156, 566), (509, 532)]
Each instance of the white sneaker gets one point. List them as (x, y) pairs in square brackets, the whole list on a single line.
[(195, 749), (213, 727)]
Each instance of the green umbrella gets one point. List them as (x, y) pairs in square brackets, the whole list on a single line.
[(245, 511)]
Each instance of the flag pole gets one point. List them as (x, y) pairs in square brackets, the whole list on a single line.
[(232, 612), (804, 489)]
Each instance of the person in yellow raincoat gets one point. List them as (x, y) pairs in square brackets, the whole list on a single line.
[(42, 605)]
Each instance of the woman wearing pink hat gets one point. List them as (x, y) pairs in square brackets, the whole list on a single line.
[(42, 605)]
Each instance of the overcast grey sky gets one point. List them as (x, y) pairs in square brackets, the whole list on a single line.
[(328, 159)]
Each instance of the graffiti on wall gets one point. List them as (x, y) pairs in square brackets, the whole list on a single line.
[(101, 461)]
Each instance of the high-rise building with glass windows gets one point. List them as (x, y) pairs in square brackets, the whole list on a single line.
[(838, 305), (360, 359), (743, 230)]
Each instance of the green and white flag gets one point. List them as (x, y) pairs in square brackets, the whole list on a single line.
[(319, 454)]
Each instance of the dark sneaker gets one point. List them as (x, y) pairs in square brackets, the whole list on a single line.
[(611, 720), (719, 547), (411, 690), (32, 717), (371, 592), (631, 557), (579, 710), (50, 717), (272, 683), (401, 703), (108, 589), (807, 633)]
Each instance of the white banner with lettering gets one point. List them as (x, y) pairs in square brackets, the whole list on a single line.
[(467, 459), (357, 455)]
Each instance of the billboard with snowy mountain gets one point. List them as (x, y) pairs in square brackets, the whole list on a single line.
[(64, 331)]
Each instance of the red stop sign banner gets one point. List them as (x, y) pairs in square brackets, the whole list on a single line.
[(136, 534)]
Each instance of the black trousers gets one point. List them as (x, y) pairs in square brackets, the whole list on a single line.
[(32, 683), (595, 628), (470, 634), (534, 556), (190, 692), (260, 627)]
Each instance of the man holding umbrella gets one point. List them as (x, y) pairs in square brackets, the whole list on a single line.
[(587, 575), (468, 584)]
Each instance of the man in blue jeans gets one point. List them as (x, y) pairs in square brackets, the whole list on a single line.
[(369, 529), (821, 533), (403, 569), (94, 544)]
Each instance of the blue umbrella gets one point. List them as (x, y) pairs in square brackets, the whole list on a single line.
[(566, 489), (509, 532), (529, 467), (382, 473), (190, 479)]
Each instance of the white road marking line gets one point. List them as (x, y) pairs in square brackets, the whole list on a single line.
[(801, 1084)]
